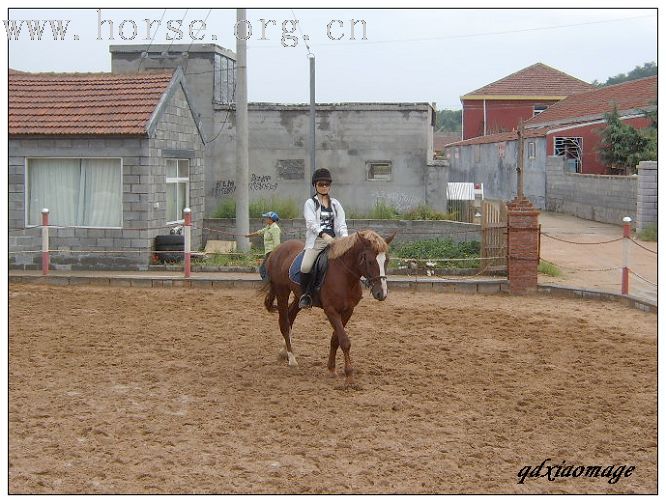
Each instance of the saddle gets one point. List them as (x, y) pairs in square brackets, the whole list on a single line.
[(318, 272)]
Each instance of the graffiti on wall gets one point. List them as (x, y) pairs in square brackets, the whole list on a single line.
[(398, 200), (257, 183), (224, 188), (264, 182)]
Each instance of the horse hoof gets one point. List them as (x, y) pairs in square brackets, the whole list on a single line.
[(292, 360), (332, 374), (282, 354)]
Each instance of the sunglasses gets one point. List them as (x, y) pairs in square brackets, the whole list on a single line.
[(323, 184)]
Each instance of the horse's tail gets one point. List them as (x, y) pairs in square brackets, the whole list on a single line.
[(270, 296)]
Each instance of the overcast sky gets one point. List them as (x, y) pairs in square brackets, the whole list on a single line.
[(433, 55)]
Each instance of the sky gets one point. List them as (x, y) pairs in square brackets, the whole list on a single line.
[(405, 55)]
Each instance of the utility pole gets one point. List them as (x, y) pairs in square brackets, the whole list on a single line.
[(312, 143), (242, 162), (520, 166)]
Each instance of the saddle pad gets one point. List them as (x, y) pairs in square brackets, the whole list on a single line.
[(295, 268)]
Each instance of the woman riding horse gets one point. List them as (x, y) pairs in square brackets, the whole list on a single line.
[(324, 221), (362, 254)]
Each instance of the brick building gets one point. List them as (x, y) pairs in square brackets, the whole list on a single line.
[(115, 159), (500, 106)]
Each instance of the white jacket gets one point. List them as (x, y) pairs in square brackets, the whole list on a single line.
[(312, 214)]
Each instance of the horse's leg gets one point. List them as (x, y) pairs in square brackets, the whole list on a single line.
[(344, 318), (285, 325), (343, 340), (292, 313)]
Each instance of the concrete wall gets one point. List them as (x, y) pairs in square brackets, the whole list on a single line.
[(407, 230), (487, 164), (347, 136), (144, 195), (646, 212), (602, 198)]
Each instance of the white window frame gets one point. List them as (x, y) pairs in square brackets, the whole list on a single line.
[(177, 180), (531, 150), (381, 178), (537, 109), (26, 177), (578, 140)]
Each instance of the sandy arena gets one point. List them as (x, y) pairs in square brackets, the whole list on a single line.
[(131, 390)]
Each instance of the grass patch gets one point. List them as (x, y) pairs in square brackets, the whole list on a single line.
[(438, 253), (286, 208), (250, 259), (549, 269), (649, 233)]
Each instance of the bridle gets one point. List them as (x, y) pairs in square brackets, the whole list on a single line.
[(368, 282)]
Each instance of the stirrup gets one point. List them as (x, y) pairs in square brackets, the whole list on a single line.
[(305, 301)]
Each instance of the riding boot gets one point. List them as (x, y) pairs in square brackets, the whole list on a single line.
[(305, 301)]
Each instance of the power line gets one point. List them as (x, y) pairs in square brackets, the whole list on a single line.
[(145, 53)]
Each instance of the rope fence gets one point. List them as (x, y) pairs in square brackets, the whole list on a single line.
[(431, 266)]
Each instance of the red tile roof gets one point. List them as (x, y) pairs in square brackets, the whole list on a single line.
[(536, 80), (442, 139), (632, 95), (75, 104), (499, 137)]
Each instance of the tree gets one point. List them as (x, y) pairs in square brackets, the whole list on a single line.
[(639, 72), (449, 120), (623, 146)]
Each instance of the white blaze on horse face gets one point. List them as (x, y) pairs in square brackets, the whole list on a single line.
[(381, 259)]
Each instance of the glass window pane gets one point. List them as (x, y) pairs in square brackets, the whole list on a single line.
[(171, 202), (183, 168), (172, 168), (182, 199)]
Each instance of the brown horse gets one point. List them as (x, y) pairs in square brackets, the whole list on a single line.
[(361, 254)]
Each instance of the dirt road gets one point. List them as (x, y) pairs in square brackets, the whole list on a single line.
[(595, 266)]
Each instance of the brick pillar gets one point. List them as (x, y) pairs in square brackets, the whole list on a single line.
[(522, 246)]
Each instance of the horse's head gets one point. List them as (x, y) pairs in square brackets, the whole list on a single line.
[(373, 261)]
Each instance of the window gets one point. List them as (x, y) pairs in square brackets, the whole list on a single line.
[(225, 79), (77, 192), (531, 150), (537, 109), (571, 149), (379, 170), (177, 189)]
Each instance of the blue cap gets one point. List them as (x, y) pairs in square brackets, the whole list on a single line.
[(272, 215)]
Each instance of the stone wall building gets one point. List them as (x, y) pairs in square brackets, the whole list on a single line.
[(114, 158)]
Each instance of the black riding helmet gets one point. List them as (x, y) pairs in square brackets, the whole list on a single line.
[(321, 175)]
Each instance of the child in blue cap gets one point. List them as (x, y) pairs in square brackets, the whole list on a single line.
[(271, 233)]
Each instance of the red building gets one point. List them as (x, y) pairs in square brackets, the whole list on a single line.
[(501, 105), (574, 124)]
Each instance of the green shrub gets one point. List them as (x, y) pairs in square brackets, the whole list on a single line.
[(226, 209), (286, 208), (437, 249), (649, 233), (425, 212), (383, 211), (548, 268)]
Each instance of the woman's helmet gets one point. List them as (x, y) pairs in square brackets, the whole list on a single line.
[(321, 175), (272, 215)]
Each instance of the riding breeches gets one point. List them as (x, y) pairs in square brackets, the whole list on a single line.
[(310, 254)]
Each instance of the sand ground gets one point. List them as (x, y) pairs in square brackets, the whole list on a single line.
[(131, 390)]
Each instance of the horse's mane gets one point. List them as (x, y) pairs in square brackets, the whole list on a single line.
[(342, 245)]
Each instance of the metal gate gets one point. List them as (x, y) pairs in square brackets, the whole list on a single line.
[(493, 236)]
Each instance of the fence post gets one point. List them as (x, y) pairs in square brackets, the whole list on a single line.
[(45, 241), (625, 255), (187, 215)]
